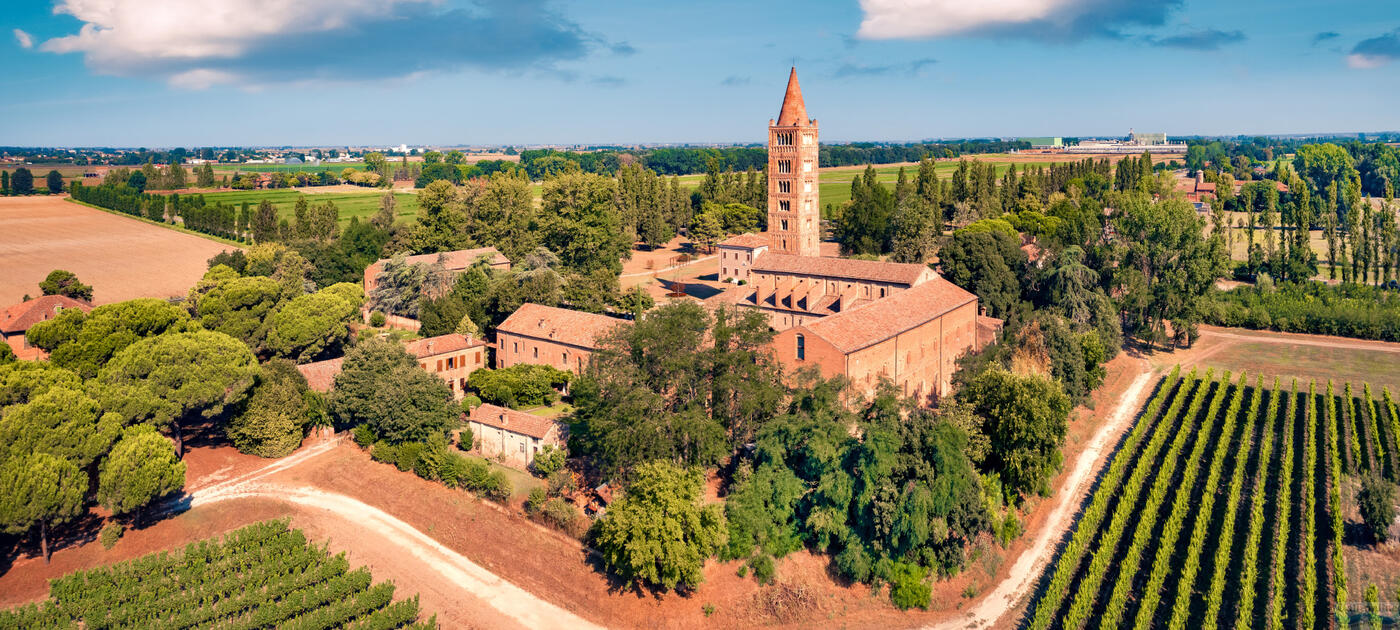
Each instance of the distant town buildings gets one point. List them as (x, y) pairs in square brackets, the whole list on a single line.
[(1045, 142)]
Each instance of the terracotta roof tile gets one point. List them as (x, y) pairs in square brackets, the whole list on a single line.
[(881, 319), (575, 328), (871, 270), (320, 376), (746, 241), (794, 111), (19, 317), (512, 420), (441, 344)]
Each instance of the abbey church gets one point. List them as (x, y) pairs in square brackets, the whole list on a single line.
[(858, 318)]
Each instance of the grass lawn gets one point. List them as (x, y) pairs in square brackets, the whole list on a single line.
[(1380, 369), (351, 204), (549, 411)]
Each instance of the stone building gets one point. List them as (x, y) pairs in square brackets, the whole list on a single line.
[(516, 436), (16, 320), (545, 335), (452, 357), (861, 319)]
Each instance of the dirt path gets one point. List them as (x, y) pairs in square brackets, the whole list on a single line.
[(1029, 565), (517, 604)]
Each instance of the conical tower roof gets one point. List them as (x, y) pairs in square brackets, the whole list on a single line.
[(794, 112)]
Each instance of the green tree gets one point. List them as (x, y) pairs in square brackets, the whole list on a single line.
[(197, 374), (314, 324), (84, 342), (6, 354), (522, 385), (39, 490), (22, 182), (706, 230), (1025, 418), (66, 283), (142, 467), (1376, 500), (265, 222), (989, 264), (441, 219), (4, 183), (273, 422), (1166, 267), (916, 225), (54, 181), (382, 387), (239, 306), (864, 226), (579, 222), (66, 423), (659, 532), (549, 460)]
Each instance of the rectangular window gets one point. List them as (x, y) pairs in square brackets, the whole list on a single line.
[(515, 346), (801, 348), (522, 447), (449, 362), (784, 222), (537, 352), (478, 358)]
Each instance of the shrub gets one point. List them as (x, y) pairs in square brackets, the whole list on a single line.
[(522, 385), (560, 513), (561, 482), (376, 319), (385, 452), (1377, 502), (548, 461), (763, 568), (470, 402), (110, 534), (408, 453), (1010, 529), (453, 470), (908, 588), (743, 570), (498, 488), (535, 504), (363, 435)]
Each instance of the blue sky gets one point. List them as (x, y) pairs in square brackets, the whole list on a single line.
[(326, 72)]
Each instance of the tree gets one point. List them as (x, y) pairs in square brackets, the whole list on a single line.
[(549, 460), (6, 354), (39, 490), (989, 264), (204, 176), (401, 287), (864, 224), (142, 467), (380, 386), (66, 283), (313, 324), (22, 182), (4, 183), (659, 532), (265, 222), (1376, 500), (273, 421), (522, 385), (706, 231), (1166, 268), (441, 219), (54, 180), (84, 342), (196, 374), (580, 223), (1025, 418), (63, 422), (239, 306), (137, 181), (916, 224), (376, 163)]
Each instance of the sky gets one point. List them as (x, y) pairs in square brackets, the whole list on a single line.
[(154, 73)]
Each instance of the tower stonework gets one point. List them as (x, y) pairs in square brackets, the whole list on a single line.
[(794, 211)]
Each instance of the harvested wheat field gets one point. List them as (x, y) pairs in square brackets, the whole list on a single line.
[(121, 257)]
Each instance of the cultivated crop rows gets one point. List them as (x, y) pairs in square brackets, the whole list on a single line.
[(261, 576), (1221, 509)]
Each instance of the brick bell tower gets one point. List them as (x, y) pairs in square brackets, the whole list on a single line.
[(794, 211)]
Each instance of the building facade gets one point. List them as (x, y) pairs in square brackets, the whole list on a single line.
[(794, 209), (513, 436), (545, 335), (738, 253), (452, 357)]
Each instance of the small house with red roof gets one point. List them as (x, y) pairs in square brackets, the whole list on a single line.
[(452, 357), (514, 436), (16, 320)]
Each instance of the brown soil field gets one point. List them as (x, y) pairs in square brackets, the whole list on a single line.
[(121, 257)]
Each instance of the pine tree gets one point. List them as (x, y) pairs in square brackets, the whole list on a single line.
[(1330, 230)]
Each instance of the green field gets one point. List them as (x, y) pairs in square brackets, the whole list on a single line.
[(351, 204)]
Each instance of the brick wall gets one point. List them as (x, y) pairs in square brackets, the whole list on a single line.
[(512, 349), (456, 367)]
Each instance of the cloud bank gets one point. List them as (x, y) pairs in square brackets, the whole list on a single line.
[(1376, 51), (199, 43), (25, 40), (1044, 20)]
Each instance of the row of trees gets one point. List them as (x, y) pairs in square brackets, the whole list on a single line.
[(22, 182)]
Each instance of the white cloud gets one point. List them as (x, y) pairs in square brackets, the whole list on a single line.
[(195, 44), (24, 39), (1031, 19), (120, 33), (1366, 62)]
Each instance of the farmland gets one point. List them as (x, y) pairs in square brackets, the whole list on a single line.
[(262, 575), (351, 204), (121, 257), (1223, 508)]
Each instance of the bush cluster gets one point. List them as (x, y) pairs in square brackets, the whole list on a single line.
[(435, 461)]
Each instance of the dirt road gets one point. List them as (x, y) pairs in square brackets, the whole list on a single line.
[(1029, 565), (512, 601)]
